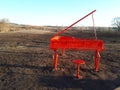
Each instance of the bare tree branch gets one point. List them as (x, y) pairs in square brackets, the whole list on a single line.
[(116, 23)]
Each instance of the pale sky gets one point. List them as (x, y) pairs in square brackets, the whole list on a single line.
[(59, 12)]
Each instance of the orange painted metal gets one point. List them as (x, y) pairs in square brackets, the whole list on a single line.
[(66, 42), (96, 60), (74, 23), (78, 63), (55, 60)]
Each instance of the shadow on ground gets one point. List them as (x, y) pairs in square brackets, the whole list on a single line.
[(66, 82)]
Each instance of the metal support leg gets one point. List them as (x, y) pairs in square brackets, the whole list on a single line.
[(96, 60), (55, 60), (63, 51), (78, 71)]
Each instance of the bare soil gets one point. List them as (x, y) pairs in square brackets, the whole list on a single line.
[(26, 63)]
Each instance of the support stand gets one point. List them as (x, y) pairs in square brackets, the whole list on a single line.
[(96, 60), (55, 60)]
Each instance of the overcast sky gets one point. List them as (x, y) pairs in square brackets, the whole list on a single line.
[(59, 12)]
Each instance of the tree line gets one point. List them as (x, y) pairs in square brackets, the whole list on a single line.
[(5, 24)]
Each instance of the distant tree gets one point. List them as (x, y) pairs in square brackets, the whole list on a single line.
[(116, 23), (4, 25)]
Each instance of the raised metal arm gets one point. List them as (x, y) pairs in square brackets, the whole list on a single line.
[(73, 23)]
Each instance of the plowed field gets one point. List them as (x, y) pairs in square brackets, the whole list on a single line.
[(26, 63)]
